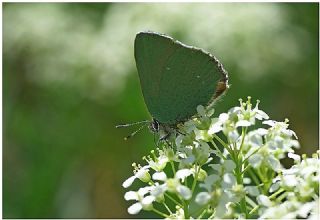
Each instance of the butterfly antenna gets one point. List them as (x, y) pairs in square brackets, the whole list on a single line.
[(135, 123), (135, 132)]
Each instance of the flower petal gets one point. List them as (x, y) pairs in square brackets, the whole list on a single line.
[(159, 176), (131, 195), (182, 174), (128, 182), (243, 123), (184, 191), (201, 111), (135, 208), (229, 179), (229, 165), (144, 190), (273, 162), (261, 115), (252, 190), (203, 198), (264, 200)]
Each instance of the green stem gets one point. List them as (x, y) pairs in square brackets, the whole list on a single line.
[(251, 154), (168, 209), (281, 197), (202, 213), (261, 177), (185, 209), (173, 200), (254, 177), (218, 150), (160, 213), (195, 178), (246, 168), (239, 177), (244, 131), (173, 168), (254, 209), (270, 197), (250, 202), (276, 193), (222, 143), (201, 210)]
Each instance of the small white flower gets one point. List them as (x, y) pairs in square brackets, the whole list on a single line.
[(158, 191), (157, 163), (141, 173), (143, 202)]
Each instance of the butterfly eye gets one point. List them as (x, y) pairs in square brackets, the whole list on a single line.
[(155, 125)]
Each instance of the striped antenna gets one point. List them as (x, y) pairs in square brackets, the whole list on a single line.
[(135, 123), (135, 132), (145, 123)]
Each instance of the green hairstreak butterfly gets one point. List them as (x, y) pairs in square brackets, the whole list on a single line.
[(175, 78)]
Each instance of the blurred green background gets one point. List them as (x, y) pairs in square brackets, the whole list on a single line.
[(69, 77)]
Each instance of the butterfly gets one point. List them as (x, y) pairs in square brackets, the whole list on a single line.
[(175, 79)]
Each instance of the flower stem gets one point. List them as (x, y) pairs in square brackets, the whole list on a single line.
[(202, 213), (218, 150), (160, 213), (195, 178), (251, 202), (244, 131), (270, 197), (223, 144), (185, 209), (173, 200), (253, 176), (239, 177), (202, 210), (173, 168), (251, 154)]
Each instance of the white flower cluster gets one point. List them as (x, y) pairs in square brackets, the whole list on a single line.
[(301, 190), (226, 167)]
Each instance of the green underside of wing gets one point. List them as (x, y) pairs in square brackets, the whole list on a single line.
[(174, 78)]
